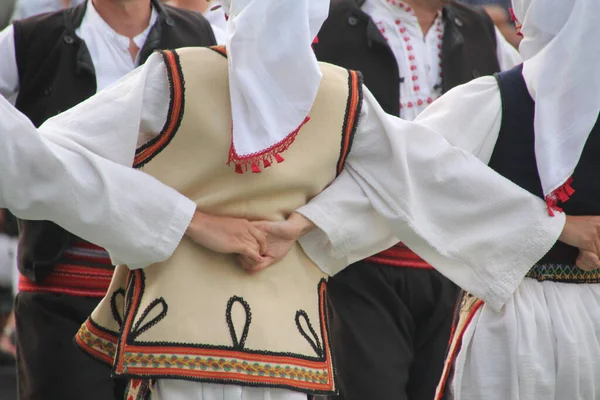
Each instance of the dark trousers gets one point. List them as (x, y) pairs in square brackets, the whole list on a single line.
[(390, 329), (50, 366)]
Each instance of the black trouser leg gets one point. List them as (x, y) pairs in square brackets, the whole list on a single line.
[(390, 329), (50, 366)]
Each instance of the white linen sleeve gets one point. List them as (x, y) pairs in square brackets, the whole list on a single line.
[(474, 226), (76, 171), (9, 73), (346, 243), (508, 56)]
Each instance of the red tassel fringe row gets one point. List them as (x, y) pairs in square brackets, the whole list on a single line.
[(562, 194), (266, 157)]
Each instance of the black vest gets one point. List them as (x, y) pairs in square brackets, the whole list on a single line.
[(349, 38), (56, 73), (514, 158)]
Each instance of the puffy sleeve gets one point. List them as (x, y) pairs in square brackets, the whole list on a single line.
[(76, 170), (419, 183)]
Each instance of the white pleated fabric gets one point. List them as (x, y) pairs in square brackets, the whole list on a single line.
[(273, 75), (185, 390), (561, 68), (543, 345)]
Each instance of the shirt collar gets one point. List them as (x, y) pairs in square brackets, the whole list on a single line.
[(94, 21)]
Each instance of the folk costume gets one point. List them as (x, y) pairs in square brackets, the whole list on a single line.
[(406, 305), (63, 277), (536, 125), (213, 335), (265, 330)]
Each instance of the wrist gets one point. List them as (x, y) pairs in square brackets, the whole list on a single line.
[(301, 224), (196, 223)]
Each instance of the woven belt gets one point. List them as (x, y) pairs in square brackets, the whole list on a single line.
[(84, 270), (399, 256), (74, 280), (563, 273)]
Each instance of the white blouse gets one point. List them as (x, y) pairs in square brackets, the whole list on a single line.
[(401, 178), (419, 56)]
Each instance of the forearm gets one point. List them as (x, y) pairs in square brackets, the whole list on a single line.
[(302, 224)]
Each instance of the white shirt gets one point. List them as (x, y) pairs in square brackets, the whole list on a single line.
[(419, 56), (215, 15), (109, 52), (475, 226)]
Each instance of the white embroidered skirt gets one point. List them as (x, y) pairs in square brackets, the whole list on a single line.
[(168, 389), (543, 345)]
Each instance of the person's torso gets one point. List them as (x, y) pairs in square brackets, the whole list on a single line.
[(352, 39), (275, 318)]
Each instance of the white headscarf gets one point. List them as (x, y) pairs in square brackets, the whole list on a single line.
[(273, 75), (562, 72)]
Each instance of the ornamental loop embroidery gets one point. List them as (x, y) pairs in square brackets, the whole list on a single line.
[(238, 345)]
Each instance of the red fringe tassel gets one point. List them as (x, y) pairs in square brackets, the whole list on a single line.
[(562, 194), (265, 157)]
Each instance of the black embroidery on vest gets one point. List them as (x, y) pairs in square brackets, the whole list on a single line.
[(351, 117), (137, 330), (235, 299), (316, 343), (114, 308), (170, 353), (152, 148)]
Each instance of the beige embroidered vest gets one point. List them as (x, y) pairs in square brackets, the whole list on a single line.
[(199, 316)]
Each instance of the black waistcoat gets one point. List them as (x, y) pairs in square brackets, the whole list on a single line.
[(349, 38), (56, 73), (514, 158)]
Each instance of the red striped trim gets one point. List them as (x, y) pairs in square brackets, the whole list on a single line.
[(353, 109), (145, 153), (219, 49), (399, 256), (100, 340), (456, 343), (74, 280)]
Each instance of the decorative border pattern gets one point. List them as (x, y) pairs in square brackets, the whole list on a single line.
[(151, 149), (221, 364), (97, 342), (563, 273), (138, 389), (353, 109), (467, 304)]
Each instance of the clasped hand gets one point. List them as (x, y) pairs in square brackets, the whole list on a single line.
[(257, 245)]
